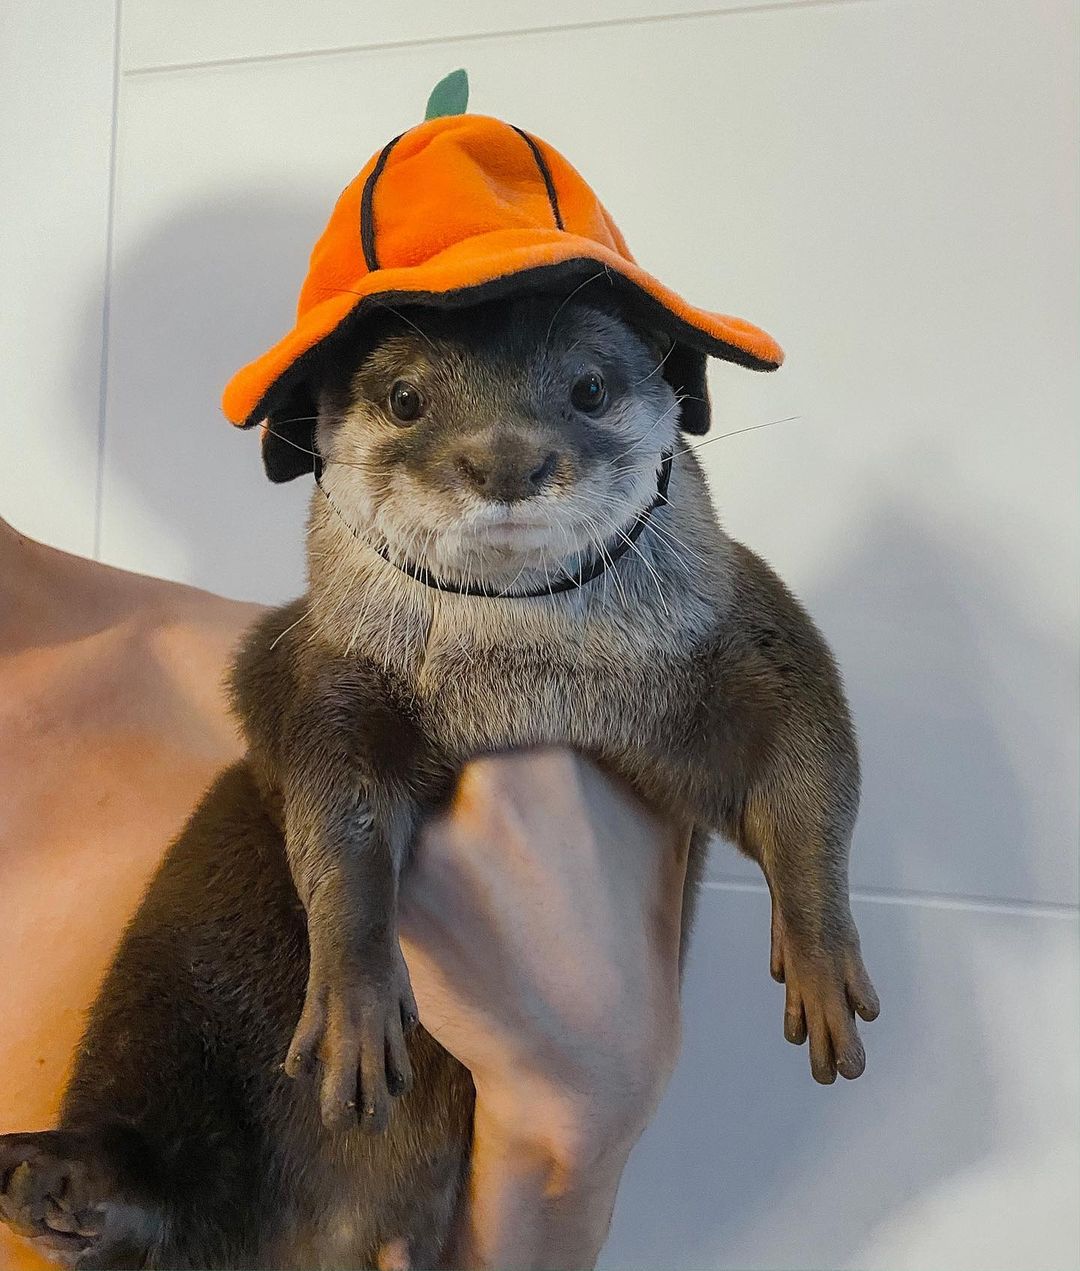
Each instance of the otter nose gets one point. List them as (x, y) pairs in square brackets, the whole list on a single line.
[(507, 472)]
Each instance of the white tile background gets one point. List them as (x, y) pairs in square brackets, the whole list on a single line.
[(890, 186)]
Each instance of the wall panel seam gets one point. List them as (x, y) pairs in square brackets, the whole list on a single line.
[(106, 291), (926, 900), (139, 69)]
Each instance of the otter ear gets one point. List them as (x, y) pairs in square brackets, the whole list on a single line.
[(288, 435), (684, 370)]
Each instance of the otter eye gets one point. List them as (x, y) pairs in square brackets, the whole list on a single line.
[(405, 401), (589, 393)]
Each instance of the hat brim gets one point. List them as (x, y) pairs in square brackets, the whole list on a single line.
[(492, 266)]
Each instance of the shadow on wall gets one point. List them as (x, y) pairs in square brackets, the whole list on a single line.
[(955, 687), (948, 677), (750, 1163), (184, 493)]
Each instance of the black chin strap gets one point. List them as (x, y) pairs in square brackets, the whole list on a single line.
[(585, 573)]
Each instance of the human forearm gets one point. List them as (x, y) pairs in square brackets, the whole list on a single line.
[(531, 1207), (541, 924)]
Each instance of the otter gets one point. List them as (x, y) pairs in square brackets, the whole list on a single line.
[(509, 546)]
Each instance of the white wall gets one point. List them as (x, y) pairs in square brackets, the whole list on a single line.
[(890, 186)]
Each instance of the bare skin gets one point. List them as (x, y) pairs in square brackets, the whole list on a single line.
[(112, 722), (111, 725), (561, 999)]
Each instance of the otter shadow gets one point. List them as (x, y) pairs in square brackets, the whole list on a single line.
[(191, 300)]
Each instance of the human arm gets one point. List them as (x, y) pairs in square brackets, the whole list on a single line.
[(541, 926)]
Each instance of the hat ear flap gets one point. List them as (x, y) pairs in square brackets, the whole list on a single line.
[(684, 370), (288, 441)]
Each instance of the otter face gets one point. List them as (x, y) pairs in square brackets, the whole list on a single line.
[(497, 440)]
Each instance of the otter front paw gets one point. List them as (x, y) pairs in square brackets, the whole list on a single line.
[(354, 1022), (826, 989)]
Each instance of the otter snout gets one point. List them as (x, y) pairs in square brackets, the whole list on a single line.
[(503, 469)]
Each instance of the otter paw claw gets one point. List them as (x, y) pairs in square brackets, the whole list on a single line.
[(825, 990), (354, 1026)]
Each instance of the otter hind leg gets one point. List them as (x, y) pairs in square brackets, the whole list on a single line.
[(64, 1190)]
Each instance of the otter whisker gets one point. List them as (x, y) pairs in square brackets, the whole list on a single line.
[(300, 419), (645, 561), (364, 606), (640, 442), (514, 581), (348, 291), (425, 549), (675, 542), (566, 553), (618, 527), (735, 433), (554, 317), (408, 322), (397, 594), (595, 525), (656, 525), (655, 368), (468, 567), (346, 592), (282, 634)]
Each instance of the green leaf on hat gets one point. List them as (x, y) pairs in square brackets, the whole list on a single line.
[(450, 96)]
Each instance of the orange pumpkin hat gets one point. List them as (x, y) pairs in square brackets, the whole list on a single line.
[(458, 210)]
